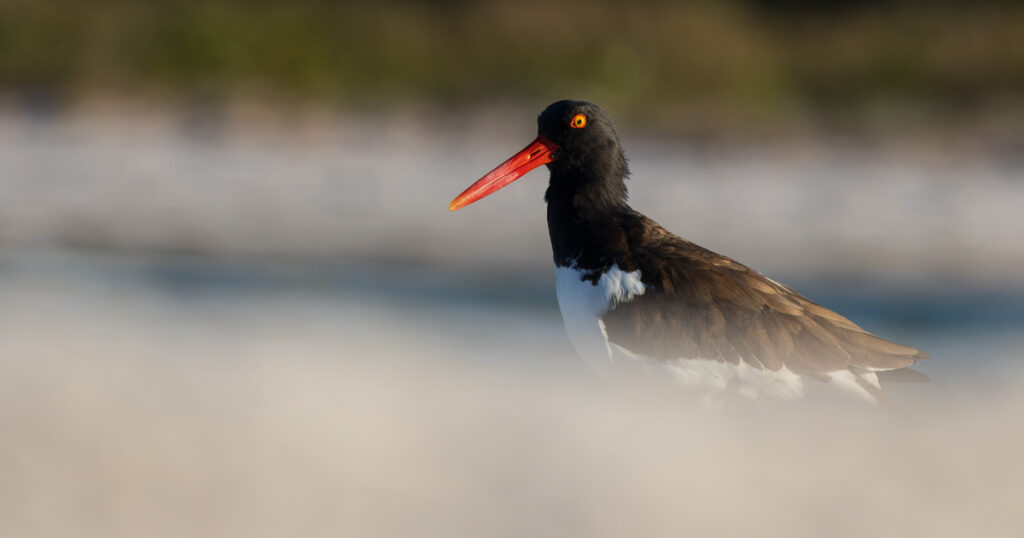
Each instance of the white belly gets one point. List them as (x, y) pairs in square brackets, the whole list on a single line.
[(583, 303)]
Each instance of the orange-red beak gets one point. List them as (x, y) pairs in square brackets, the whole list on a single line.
[(537, 153)]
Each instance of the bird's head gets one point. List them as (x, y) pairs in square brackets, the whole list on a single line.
[(578, 142)]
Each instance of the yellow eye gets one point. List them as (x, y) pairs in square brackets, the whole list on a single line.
[(579, 121)]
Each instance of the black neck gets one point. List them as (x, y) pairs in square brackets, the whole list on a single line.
[(583, 217)]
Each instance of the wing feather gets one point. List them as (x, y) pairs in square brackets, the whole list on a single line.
[(699, 304)]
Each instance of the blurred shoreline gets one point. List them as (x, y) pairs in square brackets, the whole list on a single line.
[(320, 186), (894, 130)]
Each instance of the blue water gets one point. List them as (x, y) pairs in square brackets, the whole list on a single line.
[(967, 330)]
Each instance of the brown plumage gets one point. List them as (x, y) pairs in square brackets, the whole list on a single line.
[(700, 304)]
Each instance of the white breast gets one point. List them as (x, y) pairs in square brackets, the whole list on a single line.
[(583, 302)]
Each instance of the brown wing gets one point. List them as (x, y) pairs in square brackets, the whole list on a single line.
[(699, 304)]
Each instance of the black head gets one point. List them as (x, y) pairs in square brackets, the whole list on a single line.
[(578, 142), (589, 161)]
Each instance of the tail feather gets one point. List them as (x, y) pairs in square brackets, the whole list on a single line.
[(903, 375)]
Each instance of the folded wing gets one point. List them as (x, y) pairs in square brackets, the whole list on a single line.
[(701, 305)]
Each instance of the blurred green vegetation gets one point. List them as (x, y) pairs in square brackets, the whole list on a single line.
[(752, 58)]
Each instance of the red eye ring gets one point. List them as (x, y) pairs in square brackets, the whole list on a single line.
[(578, 121)]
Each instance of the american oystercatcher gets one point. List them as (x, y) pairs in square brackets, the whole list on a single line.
[(628, 287)]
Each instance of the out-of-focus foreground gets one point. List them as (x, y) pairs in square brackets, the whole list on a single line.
[(168, 400)]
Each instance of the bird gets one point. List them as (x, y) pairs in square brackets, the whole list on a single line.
[(627, 287)]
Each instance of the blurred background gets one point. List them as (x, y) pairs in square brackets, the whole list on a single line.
[(233, 301)]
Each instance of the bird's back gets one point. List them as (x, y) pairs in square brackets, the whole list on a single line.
[(699, 309)]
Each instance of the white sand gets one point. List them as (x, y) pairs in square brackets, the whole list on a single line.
[(130, 409)]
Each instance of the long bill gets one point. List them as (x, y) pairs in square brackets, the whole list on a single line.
[(537, 153)]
